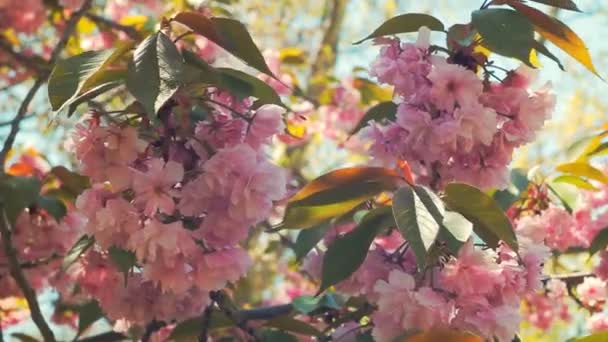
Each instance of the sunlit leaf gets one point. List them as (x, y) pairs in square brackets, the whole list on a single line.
[(292, 55), (80, 247), (576, 181), (383, 110), (455, 230), (558, 33), (416, 223), (346, 254), (489, 221), (154, 74), (410, 22), (601, 336), (308, 238), (228, 33), (582, 169), (335, 194)]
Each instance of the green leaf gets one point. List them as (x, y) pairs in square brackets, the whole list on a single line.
[(557, 33), (228, 33), (346, 254), (308, 238), (599, 242), (455, 230), (563, 4), (578, 182), (53, 206), (489, 221), (410, 22), (81, 246), (597, 337), (583, 169), (17, 193), (154, 75), (306, 304), (79, 74), (599, 150), (293, 325), (383, 110), (562, 196), (256, 88), (88, 314), (123, 259), (74, 182), (271, 335), (73, 103), (415, 222), (509, 33), (335, 194)]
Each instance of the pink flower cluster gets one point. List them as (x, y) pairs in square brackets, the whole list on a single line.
[(23, 16), (543, 309), (450, 124), (477, 290), (40, 242), (180, 202)]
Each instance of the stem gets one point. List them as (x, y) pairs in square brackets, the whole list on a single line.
[(19, 276), (63, 41), (178, 38), (206, 320)]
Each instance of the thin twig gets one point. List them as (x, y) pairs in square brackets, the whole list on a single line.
[(19, 276), (128, 30), (28, 62), (203, 337), (8, 123), (63, 41)]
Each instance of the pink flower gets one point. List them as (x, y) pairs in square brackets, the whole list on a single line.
[(155, 238), (71, 4), (267, 122), (153, 188), (478, 124), (214, 270), (597, 322), (114, 224), (472, 272), (454, 84), (24, 16), (592, 292)]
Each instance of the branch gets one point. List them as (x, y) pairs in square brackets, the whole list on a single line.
[(101, 21), (19, 276), (36, 64), (63, 41), (232, 313)]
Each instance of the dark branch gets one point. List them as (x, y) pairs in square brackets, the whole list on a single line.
[(20, 279), (21, 112)]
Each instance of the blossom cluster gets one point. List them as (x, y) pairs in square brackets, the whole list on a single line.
[(180, 199), (477, 290), (452, 125)]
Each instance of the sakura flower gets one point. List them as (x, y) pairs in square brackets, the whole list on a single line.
[(592, 291), (153, 188), (454, 84)]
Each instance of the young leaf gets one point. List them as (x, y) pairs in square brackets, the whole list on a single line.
[(582, 169), (601, 336), (17, 193), (378, 112), (336, 193), (416, 223), (558, 33), (308, 238), (599, 242), (154, 74), (88, 314), (410, 22), (578, 182), (81, 246), (489, 221), (228, 33), (505, 32), (78, 74), (346, 254)]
